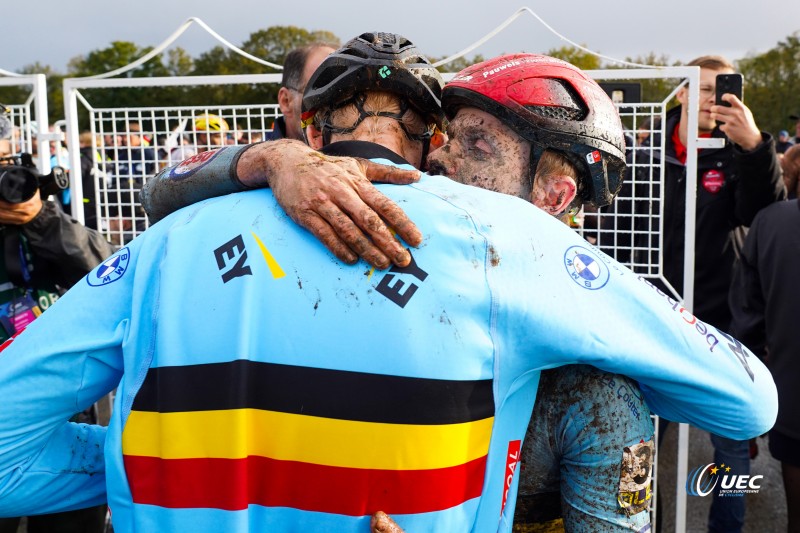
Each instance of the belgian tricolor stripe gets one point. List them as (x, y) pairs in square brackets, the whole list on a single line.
[(347, 443), (227, 435), (314, 392), (234, 484)]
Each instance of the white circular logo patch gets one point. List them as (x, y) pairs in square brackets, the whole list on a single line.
[(110, 270), (586, 268)]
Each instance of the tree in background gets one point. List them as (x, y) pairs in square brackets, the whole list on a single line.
[(772, 83), (119, 54), (572, 54), (456, 65), (271, 44), (771, 78), (19, 95), (179, 62)]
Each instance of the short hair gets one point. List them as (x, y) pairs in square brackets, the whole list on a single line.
[(555, 162), (295, 63), (85, 138), (711, 62)]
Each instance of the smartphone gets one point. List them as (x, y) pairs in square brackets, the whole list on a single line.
[(729, 83)]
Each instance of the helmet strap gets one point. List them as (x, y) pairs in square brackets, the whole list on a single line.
[(328, 129)]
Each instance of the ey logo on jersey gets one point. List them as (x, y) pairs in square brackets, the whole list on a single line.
[(586, 268), (110, 270)]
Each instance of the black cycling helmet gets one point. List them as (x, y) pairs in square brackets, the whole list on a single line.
[(554, 105), (377, 61)]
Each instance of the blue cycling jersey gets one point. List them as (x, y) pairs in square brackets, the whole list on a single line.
[(264, 386)]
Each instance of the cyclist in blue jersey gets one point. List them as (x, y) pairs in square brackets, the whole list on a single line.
[(575, 450), (263, 386)]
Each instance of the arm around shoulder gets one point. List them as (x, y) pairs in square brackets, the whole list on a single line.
[(202, 176), (212, 174)]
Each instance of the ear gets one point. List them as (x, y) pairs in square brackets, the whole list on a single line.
[(437, 140), (285, 100), (314, 137), (682, 96), (554, 193)]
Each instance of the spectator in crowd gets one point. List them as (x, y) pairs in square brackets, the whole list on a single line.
[(133, 163), (49, 252), (765, 301), (90, 175), (135, 128), (796, 119), (784, 142), (300, 64), (733, 183), (250, 137), (493, 363), (7, 131), (59, 157), (210, 132), (649, 126), (791, 172)]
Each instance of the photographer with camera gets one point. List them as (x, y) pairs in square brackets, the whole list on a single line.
[(43, 252)]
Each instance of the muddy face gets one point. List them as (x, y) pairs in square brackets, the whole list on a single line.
[(382, 130), (484, 152)]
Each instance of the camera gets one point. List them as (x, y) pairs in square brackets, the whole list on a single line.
[(19, 179)]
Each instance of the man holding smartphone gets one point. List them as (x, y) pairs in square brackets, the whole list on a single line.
[(733, 183)]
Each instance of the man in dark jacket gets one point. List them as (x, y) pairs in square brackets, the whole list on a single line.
[(733, 183), (300, 64), (45, 253), (765, 300), (784, 142), (796, 119)]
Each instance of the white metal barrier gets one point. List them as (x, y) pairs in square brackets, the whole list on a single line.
[(647, 259), (29, 118), (131, 144)]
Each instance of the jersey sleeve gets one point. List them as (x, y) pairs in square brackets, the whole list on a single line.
[(64, 361), (571, 303), (203, 175)]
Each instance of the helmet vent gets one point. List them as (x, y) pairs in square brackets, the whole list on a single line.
[(353, 52), (557, 113), (328, 76)]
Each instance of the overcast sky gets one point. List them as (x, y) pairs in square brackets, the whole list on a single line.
[(54, 31)]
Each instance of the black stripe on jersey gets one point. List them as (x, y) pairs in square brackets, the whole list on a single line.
[(315, 392)]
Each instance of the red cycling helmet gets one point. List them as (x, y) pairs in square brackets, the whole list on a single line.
[(554, 105)]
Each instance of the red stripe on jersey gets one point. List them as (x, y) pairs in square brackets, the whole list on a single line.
[(233, 484)]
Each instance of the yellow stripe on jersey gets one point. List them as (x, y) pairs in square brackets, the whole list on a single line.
[(239, 433), (272, 264)]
